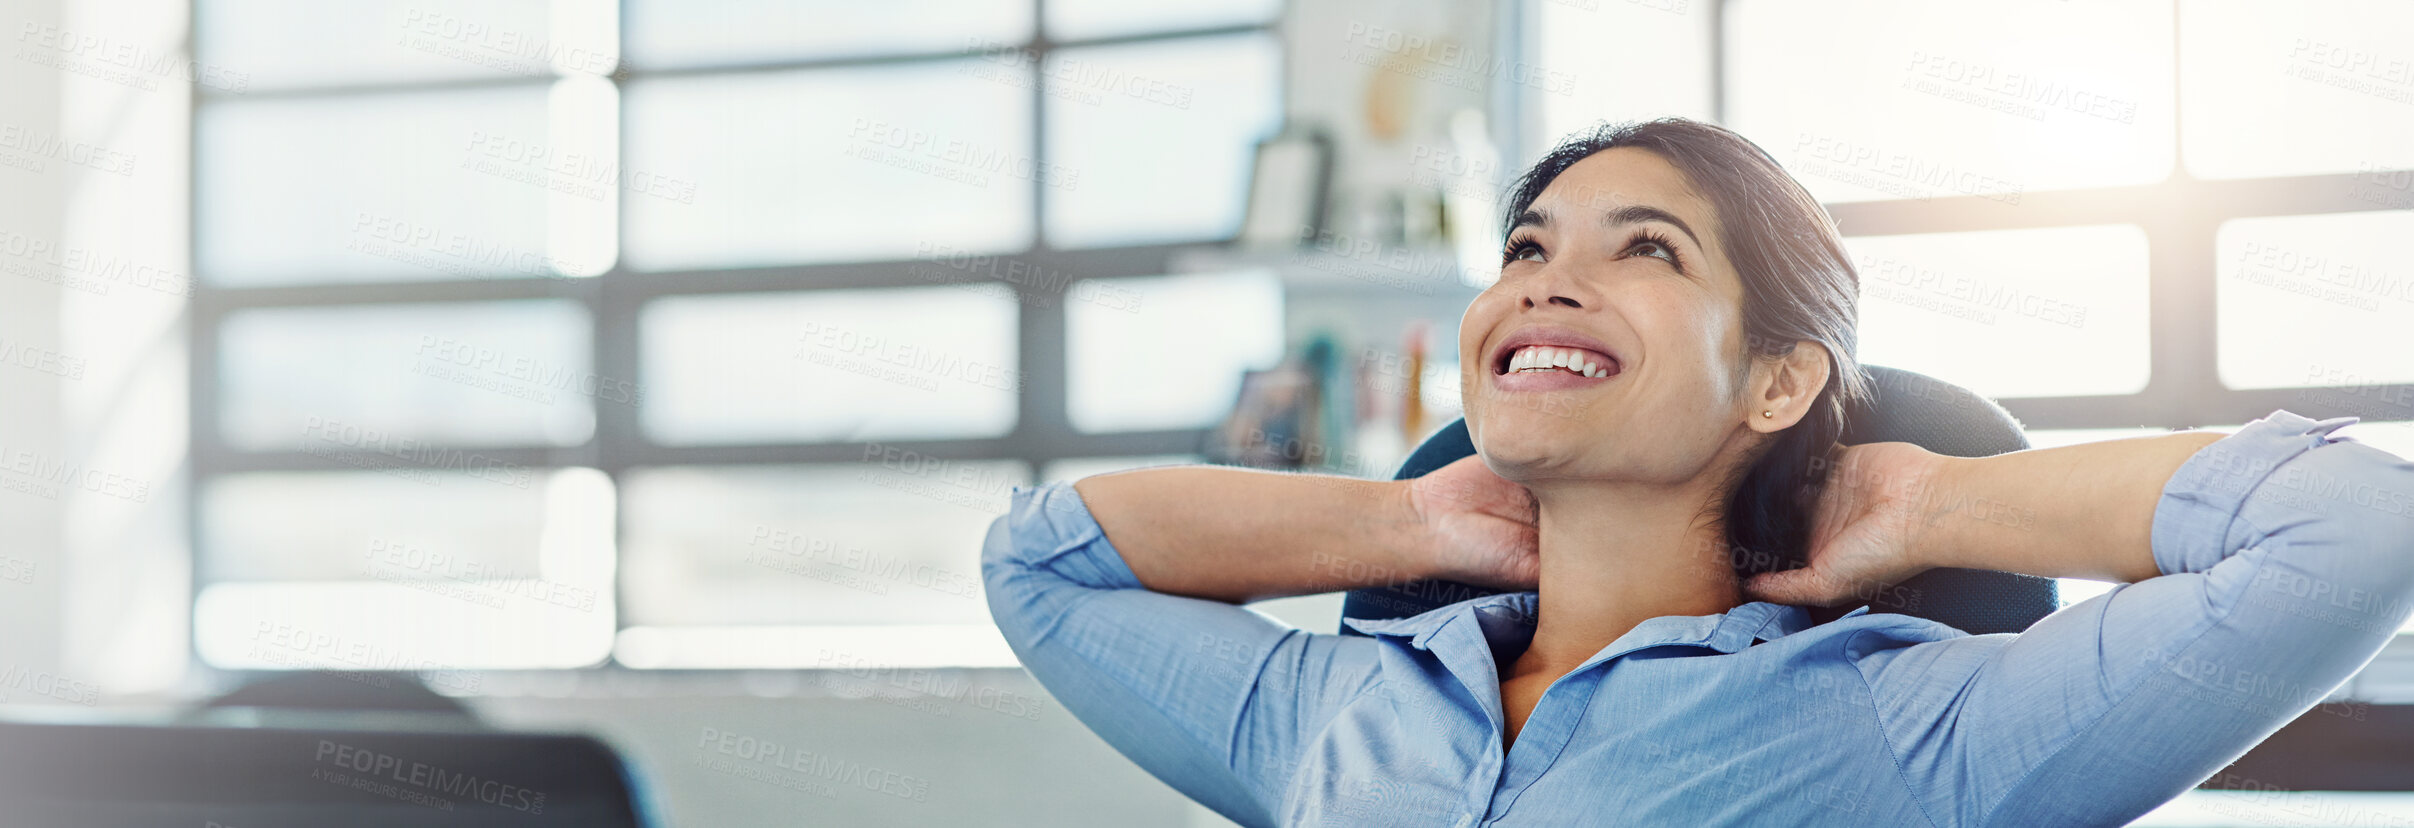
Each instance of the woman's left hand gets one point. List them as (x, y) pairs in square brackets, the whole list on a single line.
[(1865, 531)]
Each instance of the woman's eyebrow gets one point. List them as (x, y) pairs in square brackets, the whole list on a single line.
[(1639, 213), (1533, 218)]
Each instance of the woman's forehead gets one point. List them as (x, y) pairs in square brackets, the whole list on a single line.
[(1623, 176)]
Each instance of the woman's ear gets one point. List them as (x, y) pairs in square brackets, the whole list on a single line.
[(1783, 387)]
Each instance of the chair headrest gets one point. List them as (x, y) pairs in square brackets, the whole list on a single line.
[(1902, 407)]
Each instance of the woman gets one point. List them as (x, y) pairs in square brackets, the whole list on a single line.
[(1663, 366)]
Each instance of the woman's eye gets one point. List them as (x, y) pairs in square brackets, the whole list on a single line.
[(1652, 248), (1525, 251)]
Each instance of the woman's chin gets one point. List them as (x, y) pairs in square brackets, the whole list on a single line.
[(1522, 459)]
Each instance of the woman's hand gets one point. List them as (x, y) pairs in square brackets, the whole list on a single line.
[(1867, 529), (1478, 527)]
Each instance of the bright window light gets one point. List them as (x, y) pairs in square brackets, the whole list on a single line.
[(2009, 313), (2309, 301), (1892, 99)]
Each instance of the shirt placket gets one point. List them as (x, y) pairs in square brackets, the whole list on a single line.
[(1550, 726)]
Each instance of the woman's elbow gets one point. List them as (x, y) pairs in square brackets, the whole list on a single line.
[(2353, 544)]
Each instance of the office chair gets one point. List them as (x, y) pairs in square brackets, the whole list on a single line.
[(1902, 407), (313, 749)]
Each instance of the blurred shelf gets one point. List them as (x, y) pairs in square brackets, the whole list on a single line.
[(1430, 273)]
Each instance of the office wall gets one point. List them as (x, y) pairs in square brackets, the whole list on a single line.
[(32, 378)]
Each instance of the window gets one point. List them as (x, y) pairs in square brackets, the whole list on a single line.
[(2093, 212), (2117, 218), (1912, 102), (2255, 78), (1977, 307), (500, 300)]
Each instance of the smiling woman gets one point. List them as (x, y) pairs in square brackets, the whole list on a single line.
[(1654, 388), (1779, 281)]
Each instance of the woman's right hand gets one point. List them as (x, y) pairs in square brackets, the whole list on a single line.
[(1479, 528)]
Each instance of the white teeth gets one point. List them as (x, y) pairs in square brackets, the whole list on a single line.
[(1538, 358)]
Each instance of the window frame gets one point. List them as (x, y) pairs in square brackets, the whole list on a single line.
[(2181, 216), (1042, 431)]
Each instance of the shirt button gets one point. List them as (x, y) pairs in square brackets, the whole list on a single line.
[(1465, 820)]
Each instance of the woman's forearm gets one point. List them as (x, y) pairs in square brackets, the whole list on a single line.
[(1242, 535), (2083, 511)]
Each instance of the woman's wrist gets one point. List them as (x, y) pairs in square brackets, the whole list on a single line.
[(1946, 534), (1409, 548)]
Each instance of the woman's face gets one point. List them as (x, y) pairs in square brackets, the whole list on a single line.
[(1617, 265)]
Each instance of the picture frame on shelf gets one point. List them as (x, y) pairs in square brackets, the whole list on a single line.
[(1290, 185)]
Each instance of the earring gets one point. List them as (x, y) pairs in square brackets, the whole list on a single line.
[(1767, 414)]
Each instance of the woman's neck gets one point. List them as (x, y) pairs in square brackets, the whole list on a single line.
[(1615, 554)]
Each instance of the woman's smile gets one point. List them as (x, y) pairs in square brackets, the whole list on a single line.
[(1552, 358)]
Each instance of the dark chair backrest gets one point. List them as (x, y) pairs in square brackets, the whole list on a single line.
[(251, 777), (1902, 407)]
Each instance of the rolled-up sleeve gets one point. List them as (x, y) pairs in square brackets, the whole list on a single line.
[(2288, 562), (1212, 698)]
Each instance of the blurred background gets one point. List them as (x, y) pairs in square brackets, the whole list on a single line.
[(652, 369)]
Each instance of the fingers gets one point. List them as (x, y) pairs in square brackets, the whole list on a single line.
[(1793, 587)]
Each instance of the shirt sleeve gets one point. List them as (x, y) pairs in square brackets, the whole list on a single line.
[(1212, 698), (2288, 563)]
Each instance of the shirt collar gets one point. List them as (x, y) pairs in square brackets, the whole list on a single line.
[(1512, 614)]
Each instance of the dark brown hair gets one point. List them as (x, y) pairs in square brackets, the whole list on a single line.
[(1799, 284)]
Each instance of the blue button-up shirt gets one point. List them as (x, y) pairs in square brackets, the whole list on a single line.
[(2288, 561)]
